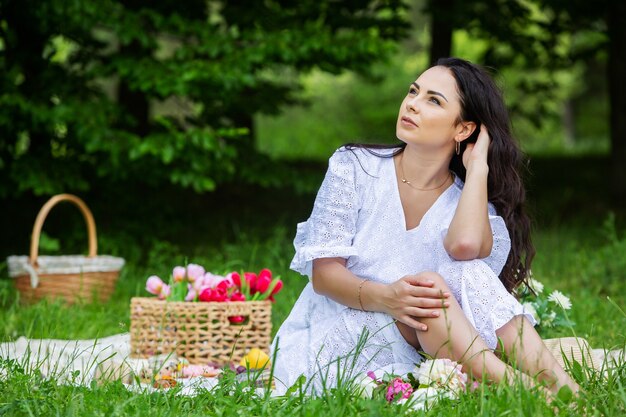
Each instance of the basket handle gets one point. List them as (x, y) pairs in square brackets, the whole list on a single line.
[(43, 213)]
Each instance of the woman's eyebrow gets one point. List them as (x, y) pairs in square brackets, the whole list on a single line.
[(431, 91)]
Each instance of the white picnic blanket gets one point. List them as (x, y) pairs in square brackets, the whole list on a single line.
[(82, 361)]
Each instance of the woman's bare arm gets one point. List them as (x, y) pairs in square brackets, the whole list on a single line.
[(408, 298), (469, 235)]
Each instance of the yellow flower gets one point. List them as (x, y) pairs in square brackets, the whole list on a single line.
[(255, 359)]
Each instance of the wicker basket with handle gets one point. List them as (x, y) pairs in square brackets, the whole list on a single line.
[(71, 277), (198, 331)]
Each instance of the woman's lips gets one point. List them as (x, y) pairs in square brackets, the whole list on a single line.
[(407, 121)]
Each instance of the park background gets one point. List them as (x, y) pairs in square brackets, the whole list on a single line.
[(199, 131)]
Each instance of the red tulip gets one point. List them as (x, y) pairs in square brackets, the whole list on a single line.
[(220, 294), (225, 284), (278, 287), (236, 319), (237, 296), (236, 278), (265, 273), (213, 294), (251, 280), (206, 295), (263, 283)]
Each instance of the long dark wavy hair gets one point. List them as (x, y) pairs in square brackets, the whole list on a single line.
[(482, 103)]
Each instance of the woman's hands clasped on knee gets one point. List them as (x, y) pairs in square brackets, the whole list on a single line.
[(412, 297)]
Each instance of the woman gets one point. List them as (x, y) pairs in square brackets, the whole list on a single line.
[(408, 245)]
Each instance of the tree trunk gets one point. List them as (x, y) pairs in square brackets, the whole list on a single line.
[(617, 92), (441, 27), (569, 125), (135, 103)]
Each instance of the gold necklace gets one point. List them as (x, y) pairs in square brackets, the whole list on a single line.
[(407, 182)]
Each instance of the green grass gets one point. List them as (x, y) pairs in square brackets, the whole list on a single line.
[(588, 263)]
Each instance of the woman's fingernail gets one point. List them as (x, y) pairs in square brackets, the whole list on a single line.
[(446, 304), (435, 314), (424, 328), (446, 294)]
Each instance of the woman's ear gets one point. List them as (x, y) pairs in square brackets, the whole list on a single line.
[(464, 131)]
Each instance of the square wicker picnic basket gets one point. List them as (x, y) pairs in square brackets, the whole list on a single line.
[(200, 332), (70, 277)]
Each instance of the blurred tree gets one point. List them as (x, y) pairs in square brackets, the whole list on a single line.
[(552, 34), (164, 91)]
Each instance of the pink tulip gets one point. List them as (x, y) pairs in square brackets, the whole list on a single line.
[(210, 280), (178, 273), (201, 283), (154, 285), (194, 272), (191, 294), (165, 292)]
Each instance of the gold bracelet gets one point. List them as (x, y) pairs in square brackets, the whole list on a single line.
[(359, 294)]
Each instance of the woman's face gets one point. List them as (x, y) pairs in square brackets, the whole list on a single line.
[(430, 111)]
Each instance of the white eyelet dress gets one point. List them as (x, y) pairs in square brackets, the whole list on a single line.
[(358, 216)]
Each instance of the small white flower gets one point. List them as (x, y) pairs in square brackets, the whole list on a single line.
[(421, 398), (560, 299), (366, 386), (535, 285), (530, 309)]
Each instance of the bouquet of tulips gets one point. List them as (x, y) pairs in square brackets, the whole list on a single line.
[(194, 283)]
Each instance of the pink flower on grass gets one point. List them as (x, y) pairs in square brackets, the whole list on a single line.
[(178, 273), (398, 389), (154, 285)]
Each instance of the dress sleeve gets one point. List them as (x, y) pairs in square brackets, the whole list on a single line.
[(501, 242), (330, 229)]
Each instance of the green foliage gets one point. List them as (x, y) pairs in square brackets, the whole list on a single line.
[(111, 91)]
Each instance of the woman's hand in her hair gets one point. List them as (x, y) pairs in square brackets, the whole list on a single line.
[(413, 297), (477, 152)]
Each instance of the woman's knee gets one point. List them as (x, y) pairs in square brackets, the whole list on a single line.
[(438, 281)]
